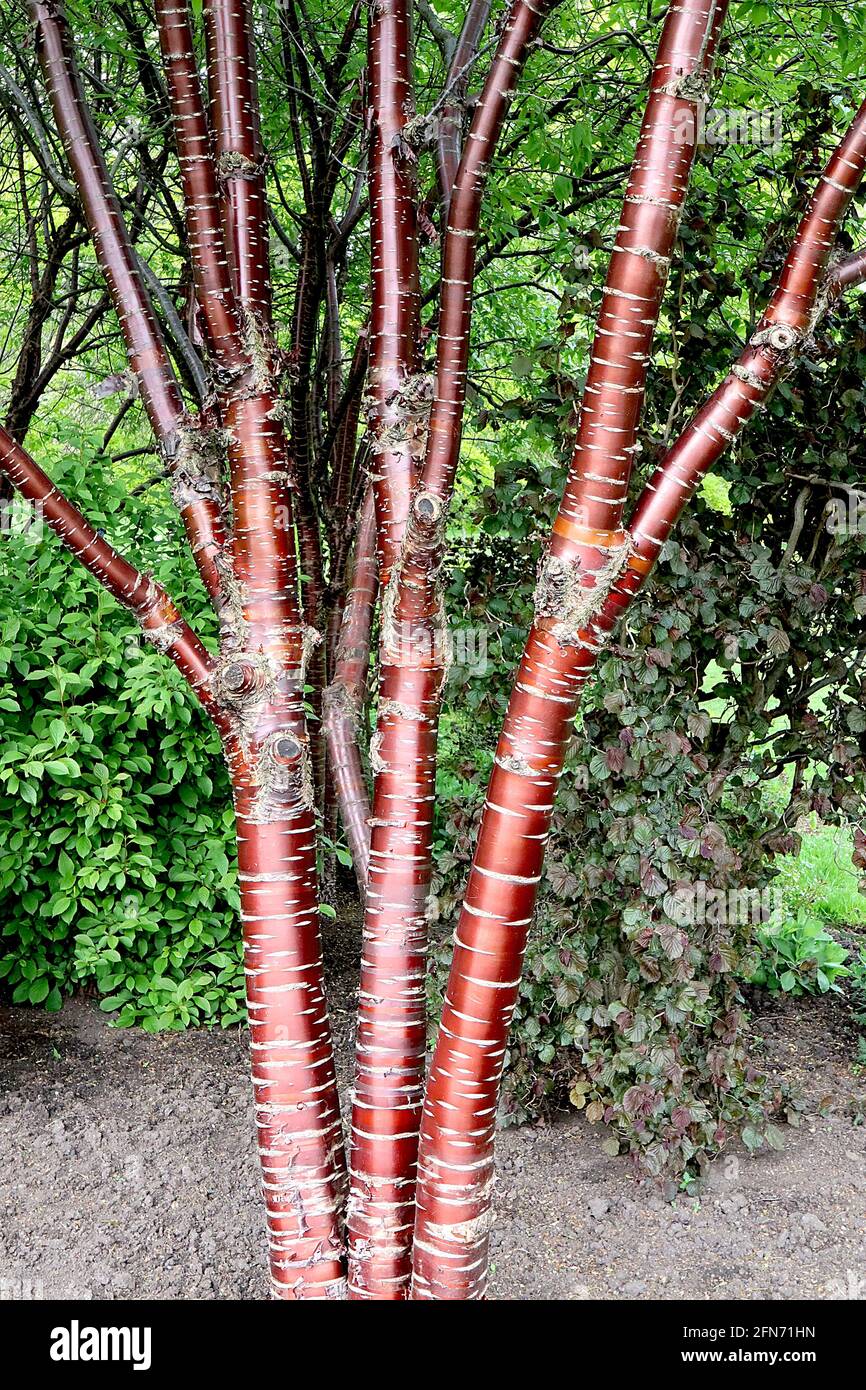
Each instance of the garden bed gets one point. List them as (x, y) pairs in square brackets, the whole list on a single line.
[(127, 1170)]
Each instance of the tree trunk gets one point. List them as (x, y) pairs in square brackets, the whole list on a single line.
[(257, 683), (588, 550), (577, 606), (392, 1013)]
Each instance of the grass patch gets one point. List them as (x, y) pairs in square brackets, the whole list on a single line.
[(821, 880)]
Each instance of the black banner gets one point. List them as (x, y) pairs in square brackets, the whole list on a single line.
[(88, 1340)]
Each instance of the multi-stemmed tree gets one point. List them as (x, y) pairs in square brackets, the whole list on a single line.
[(297, 520)]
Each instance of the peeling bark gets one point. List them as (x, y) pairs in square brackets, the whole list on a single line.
[(148, 359), (413, 663), (271, 768), (456, 1158)]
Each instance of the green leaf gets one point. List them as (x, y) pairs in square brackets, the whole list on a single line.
[(39, 991)]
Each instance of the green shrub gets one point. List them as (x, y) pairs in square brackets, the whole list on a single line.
[(857, 987), (799, 956), (116, 839)]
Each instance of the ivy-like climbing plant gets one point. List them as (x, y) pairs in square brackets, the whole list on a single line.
[(405, 1211)]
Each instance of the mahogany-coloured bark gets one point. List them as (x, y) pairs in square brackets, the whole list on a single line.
[(197, 491), (577, 605), (799, 299), (270, 763), (378, 1227), (254, 688), (240, 159), (616, 381), (391, 1041)]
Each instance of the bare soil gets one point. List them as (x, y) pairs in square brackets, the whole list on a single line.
[(127, 1171)]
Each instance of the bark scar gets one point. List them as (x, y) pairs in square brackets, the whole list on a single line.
[(562, 594)]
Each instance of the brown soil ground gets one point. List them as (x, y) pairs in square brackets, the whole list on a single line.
[(127, 1171)]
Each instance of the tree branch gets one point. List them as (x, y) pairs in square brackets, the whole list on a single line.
[(343, 703), (449, 131), (790, 318), (160, 620), (240, 157), (391, 1040), (207, 248), (847, 274), (197, 493)]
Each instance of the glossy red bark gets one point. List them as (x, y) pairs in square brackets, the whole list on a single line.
[(613, 397), (456, 1158), (240, 165), (392, 1024), (270, 763), (148, 360), (254, 687)]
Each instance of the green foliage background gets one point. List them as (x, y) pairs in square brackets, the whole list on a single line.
[(116, 854)]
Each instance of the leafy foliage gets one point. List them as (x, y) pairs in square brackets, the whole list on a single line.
[(799, 956), (857, 984), (116, 854)]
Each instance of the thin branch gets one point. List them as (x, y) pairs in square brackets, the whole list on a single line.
[(160, 620), (40, 147), (452, 102), (343, 703), (207, 247), (200, 503), (178, 333)]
